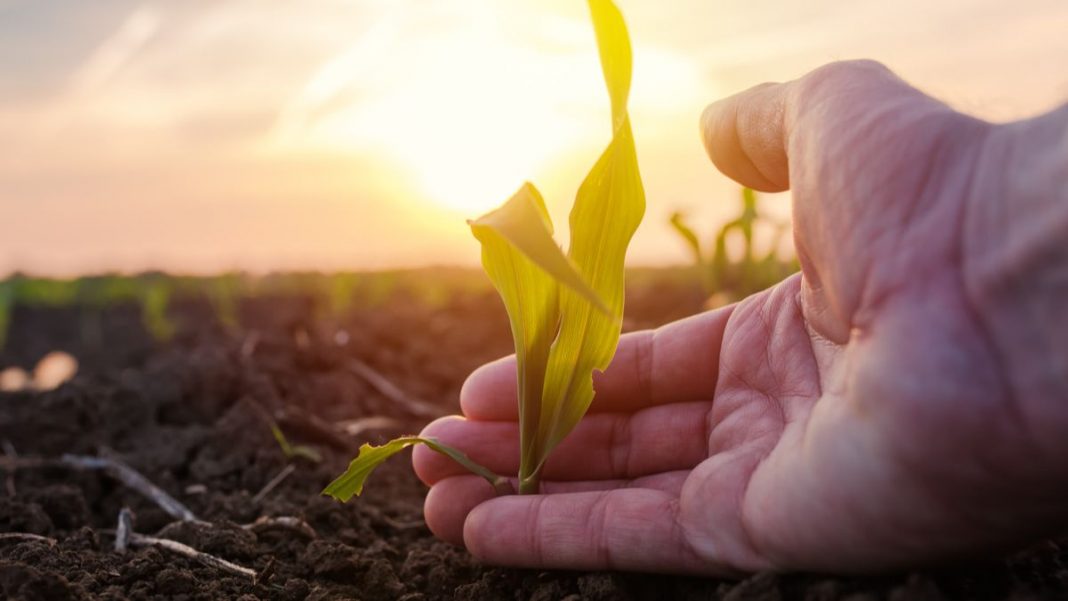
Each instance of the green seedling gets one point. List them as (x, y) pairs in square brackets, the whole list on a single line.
[(44, 292), (341, 290), (7, 302), (565, 310), (751, 273), (155, 299), (223, 292), (292, 451)]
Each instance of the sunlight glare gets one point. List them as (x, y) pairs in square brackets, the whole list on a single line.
[(469, 111)]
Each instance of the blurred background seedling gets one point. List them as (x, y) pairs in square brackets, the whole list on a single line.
[(7, 300), (728, 278), (292, 451), (224, 292), (155, 300)]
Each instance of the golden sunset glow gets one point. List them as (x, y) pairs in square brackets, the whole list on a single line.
[(467, 115), (324, 134)]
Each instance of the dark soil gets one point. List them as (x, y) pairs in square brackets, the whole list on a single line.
[(190, 415)]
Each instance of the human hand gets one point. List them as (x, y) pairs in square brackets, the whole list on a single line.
[(904, 400)]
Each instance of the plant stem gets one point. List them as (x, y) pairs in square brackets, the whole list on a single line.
[(531, 484)]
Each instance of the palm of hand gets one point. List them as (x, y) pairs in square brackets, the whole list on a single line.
[(817, 424)]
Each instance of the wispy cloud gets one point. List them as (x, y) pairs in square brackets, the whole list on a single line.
[(117, 51)]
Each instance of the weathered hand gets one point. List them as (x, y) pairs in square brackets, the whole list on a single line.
[(905, 399)]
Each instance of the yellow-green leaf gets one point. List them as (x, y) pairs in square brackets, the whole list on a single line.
[(351, 482), (291, 450), (530, 295), (523, 222), (613, 43), (565, 311), (608, 208), (7, 301), (678, 222), (581, 317)]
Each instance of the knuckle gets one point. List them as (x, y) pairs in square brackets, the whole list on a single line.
[(644, 353), (833, 78), (535, 531), (844, 71), (599, 523)]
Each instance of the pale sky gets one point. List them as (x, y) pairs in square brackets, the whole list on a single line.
[(205, 135)]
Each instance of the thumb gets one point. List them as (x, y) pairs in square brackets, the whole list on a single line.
[(864, 153), (744, 137), (748, 135)]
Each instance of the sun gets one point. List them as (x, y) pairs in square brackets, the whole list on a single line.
[(468, 113)]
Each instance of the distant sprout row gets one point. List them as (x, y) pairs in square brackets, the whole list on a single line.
[(726, 279), (7, 302), (336, 295)]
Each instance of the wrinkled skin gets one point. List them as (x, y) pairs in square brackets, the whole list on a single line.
[(904, 400)]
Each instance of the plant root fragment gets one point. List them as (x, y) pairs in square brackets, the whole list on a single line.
[(111, 466), (140, 540)]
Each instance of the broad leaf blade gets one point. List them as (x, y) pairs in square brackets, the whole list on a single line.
[(613, 43), (345, 486), (529, 293), (678, 222), (524, 223), (608, 208)]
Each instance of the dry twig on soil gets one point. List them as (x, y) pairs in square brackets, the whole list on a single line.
[(313, 426), (262, 523), (140, 540), (392, 522), (282, 523), (123, 530), (278, 479), (416, 407), (355, 427), (26, 536), (133, 479), (113, 467)]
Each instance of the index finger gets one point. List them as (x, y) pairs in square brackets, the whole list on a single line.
[(620, 529), (675, 363)]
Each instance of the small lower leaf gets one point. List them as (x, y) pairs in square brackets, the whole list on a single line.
[(345, 486)]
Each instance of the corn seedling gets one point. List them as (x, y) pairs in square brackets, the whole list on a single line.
[(292, 451), (341, 289), (94, 294), (223, 292), (7, 302), (565, 310), (155, 298), (43, 292), (751, 273)]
